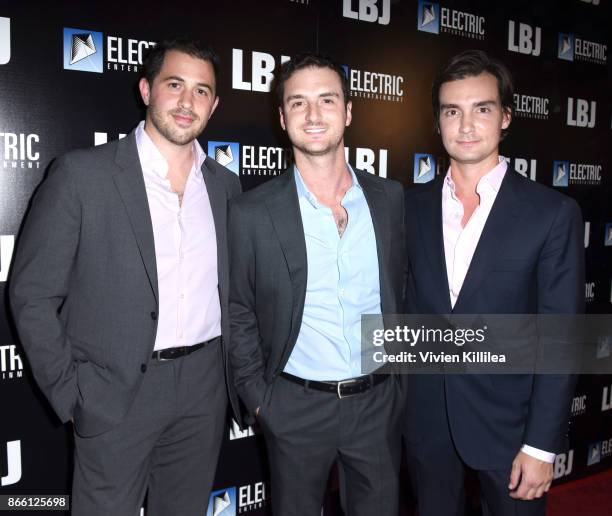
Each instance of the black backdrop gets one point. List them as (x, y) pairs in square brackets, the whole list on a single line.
[(391, 50)]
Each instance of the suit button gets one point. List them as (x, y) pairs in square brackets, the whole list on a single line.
[(143, 368), (154, 316)]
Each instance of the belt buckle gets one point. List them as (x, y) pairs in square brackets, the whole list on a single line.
[(159, 358), (345, 382)]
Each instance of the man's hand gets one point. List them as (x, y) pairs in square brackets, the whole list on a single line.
[(530, 478)]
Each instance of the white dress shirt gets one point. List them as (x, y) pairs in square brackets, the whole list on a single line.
[(460, 242), (185, 250)]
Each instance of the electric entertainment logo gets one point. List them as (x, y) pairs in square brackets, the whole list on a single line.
[(594, 454), (435, 19), (424, 168), (589, 292), (374, 85), (584, 174), (83, 50), (236, 433), (571, 47), (222, 502), (608, 235), (5, 40), (226, 154), (237, 500), (529, 106), (598, 451), (11, 366), (249, 160), (428, 17), (561, 173), (13, 464), (19, 150)]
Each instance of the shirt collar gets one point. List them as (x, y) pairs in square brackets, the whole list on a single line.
[(492, 179), (302, 189), (152, 159)]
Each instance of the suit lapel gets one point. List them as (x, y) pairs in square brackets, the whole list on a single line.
[(504, 214), (429, 214), (217, 195), (284, 211), (129, 181), (381, 220)]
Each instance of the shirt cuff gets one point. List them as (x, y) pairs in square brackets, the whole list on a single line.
[(542, 455)]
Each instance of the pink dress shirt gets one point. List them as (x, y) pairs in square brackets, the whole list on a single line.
[(185, 250), (460, 242)]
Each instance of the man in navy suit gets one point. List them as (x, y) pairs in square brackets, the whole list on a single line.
[(482, 239)]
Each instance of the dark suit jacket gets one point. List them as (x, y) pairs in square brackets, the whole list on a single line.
[(269, 269), (84, 281), (529, 260)]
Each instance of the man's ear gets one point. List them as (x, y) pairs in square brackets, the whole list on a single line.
[(282, 118), (506, 118), (145, 90), (349, 113)]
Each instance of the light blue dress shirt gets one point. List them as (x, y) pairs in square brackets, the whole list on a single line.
[(342, 283)]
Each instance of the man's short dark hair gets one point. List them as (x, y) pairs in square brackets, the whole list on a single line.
[(469, 64), (309, 60), (154, 58)]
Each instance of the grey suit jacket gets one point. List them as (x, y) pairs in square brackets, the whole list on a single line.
[(83, 286), (269, 268)]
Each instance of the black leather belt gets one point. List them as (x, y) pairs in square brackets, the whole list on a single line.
[(342, 388), (181, 351)]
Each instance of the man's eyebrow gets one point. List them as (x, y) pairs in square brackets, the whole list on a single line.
[(324, 94), (475, 104)]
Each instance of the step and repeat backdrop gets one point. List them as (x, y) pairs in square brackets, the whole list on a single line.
[(68, 75)]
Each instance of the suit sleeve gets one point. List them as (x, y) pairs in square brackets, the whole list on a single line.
[(560, 290), (245, 351), (39, 285)]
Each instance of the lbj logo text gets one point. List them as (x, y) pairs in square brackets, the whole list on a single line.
[(13, 461), (564, 462), (262, 71), (584, 115), (372, 11), (529, 40)]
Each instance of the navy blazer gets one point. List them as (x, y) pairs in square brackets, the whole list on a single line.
[(529, 260)]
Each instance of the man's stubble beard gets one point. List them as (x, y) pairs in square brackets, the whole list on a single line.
[(172, 134)]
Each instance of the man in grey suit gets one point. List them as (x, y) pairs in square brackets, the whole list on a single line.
[(119, 290), (310, 251)]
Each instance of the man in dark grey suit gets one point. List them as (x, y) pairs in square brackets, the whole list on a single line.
[(310, 251), (119, 291)]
